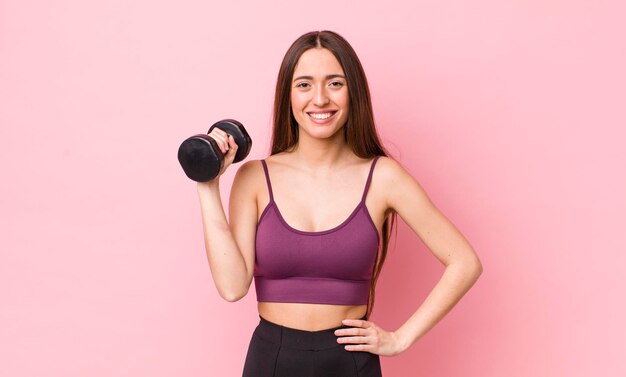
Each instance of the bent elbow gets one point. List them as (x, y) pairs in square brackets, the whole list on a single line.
[(478, 269), (233, 296), (469, 270)]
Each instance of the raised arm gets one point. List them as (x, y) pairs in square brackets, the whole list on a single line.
[(230, 248)]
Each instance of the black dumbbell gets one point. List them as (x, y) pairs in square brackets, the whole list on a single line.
[(201, 157)]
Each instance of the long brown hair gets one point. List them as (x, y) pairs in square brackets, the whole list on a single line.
[(360, 131)]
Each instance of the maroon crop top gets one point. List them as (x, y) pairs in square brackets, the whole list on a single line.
[(333, 266)]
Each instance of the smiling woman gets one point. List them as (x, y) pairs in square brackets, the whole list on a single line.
[(318, 98), (315, 262)]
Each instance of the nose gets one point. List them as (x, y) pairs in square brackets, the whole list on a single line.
[(320, 98)]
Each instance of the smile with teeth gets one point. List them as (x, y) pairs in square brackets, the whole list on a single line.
[(321, 116)]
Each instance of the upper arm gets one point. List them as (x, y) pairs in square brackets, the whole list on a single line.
[(409, 200), (243, 211)]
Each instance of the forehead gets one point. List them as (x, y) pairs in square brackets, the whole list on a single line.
[(317, 62)]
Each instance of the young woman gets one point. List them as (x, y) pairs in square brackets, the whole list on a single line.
[(311, 225)]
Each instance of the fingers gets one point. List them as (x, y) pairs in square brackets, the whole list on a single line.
[(232, 144), (361, 337), (366, 336), (351, 331), (353, 339), (353, 335), (221, 138), (225, 142), (356, 322)]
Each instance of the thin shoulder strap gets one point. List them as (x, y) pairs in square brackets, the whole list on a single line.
[(369, 179), (267, 178)]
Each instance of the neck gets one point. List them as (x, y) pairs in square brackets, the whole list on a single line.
[(318, 155)]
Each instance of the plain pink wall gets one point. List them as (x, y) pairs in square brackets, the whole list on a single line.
[(509, 113)]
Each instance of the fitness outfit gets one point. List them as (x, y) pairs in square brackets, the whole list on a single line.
[(333, 266)]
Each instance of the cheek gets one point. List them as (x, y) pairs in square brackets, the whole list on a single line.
[(342, 100), (297, 100), (296, 109)]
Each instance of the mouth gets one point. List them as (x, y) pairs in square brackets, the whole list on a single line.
[(321, 116)]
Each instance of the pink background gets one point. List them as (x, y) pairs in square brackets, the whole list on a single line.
[(509, 113)]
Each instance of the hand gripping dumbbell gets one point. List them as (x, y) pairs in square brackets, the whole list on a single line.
[(201, 157)]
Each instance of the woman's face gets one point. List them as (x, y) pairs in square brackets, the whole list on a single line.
[(319, 94)]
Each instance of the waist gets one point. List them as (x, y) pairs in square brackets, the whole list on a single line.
[(309, 317), (296, 338)]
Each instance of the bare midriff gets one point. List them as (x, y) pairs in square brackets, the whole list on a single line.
[(309, 317)]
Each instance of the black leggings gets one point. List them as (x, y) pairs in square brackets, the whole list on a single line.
[(279, 351)]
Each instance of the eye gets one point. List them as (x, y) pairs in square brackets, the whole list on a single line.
[(302, 85), (336, 84)]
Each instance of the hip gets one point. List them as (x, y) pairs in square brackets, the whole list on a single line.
[(280, 351)]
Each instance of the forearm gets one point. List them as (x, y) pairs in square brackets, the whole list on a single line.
[(456, 280), (226, 262)]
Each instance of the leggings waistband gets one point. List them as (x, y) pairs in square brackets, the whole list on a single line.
[(299, 339)]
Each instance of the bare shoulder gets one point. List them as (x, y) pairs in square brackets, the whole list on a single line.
[(390, 171), (249, 177), (249, 170), (399, 185), (387, 167)]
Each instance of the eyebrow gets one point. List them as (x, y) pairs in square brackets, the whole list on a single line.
[(328, 77)]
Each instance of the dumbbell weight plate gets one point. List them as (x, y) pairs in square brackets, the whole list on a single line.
[(200, 158)]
